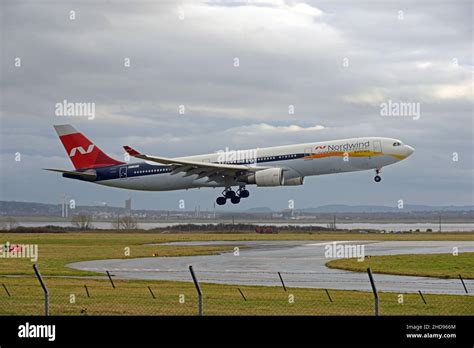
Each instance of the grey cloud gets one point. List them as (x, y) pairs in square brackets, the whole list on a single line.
[(285, 58)]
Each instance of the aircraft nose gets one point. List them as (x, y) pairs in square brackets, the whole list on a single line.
[(409, 150)]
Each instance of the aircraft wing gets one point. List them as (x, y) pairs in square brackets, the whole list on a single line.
[(214, 171)]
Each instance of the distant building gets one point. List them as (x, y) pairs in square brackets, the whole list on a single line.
[(128, 206), (287, 214)]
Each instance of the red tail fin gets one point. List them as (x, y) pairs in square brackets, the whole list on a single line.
[(82, 152)]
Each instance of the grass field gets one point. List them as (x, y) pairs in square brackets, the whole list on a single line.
[(58, 249), (429, 265), (132, 297)]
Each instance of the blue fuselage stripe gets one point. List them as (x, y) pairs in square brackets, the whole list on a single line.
[(144, 169)]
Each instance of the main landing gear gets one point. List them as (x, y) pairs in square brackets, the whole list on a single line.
[(377, 177), (232, 195)]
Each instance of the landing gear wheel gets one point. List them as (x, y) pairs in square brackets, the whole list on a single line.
[(221, 200), (377, 178), (229, 194), (235, 200), (244, 194)]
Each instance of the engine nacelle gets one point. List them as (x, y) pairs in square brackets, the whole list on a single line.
[(293, 181), (267, 177)]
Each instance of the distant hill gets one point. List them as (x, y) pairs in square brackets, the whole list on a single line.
[(258, 210), (13, 208), (342, 208)]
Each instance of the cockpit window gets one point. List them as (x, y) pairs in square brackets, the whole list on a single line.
[(397, 143)]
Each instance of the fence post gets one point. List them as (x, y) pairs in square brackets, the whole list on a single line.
[(87, 291), (110, 278), (151, 292), (422, 297), (45, 289), (282, 282), (241, 293), (198, 288), (329, 296), (464, 285), (374, 289), (8, 292)]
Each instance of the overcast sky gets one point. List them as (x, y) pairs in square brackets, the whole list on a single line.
[(334, 61)]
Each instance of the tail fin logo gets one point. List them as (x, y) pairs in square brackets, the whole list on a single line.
[(81, 150)]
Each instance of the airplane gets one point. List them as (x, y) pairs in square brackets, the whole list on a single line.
[(286, 165)]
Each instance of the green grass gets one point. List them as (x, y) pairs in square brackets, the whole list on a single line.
[(134, 298), (428, 265), (56, 250)]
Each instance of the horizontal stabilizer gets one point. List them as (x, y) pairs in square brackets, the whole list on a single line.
[(88, 175)]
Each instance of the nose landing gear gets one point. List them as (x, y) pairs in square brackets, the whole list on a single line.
[(377, 177), (232, 195)]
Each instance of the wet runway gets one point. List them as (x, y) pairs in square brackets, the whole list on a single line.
[(300, 263)]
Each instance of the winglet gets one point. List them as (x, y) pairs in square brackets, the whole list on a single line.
[(131, 151)]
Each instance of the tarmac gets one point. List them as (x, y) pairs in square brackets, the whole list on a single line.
[(290, 264)]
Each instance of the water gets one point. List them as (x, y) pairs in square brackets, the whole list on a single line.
[(447, 227)]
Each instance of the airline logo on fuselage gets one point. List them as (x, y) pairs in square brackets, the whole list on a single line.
[(81, 150), (346, 147)]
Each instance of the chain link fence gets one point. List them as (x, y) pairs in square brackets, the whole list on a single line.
[(192, 295)]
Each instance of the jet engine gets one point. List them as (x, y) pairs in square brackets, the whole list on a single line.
[(293, 181), (267, 177)]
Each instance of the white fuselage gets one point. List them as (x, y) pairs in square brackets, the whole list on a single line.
[(297, 161)]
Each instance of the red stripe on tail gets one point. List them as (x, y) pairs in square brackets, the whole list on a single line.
[(83, 153)]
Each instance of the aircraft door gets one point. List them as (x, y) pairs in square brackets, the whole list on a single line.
[(123, 172), (377, 146)]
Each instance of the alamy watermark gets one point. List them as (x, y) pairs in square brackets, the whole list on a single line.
[(19, 251), (238, 157), (400, 109), (344, 251), (68, 109), (28, 330)]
